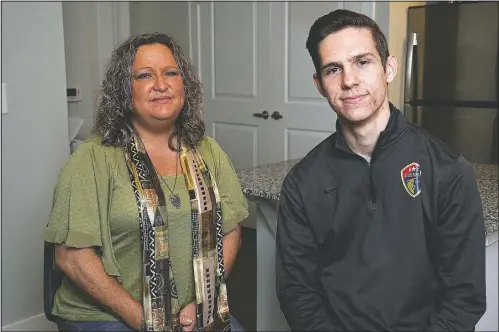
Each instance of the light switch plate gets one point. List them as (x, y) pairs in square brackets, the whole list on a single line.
[(4, 99)]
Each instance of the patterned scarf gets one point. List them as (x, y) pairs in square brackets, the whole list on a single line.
[(160, 300)]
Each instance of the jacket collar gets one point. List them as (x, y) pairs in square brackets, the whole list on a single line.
[(395, 127)]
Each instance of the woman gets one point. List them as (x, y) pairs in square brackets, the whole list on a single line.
[(146, 211)]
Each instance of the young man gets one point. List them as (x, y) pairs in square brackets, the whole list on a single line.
[(380, 227)]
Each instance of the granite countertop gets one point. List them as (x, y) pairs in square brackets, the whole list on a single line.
[(265, 182)]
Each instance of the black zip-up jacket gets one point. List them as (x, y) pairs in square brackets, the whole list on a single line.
[(365, 246)]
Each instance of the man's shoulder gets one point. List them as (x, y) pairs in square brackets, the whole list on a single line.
[(443, 159), (313, 162), (432, 142)]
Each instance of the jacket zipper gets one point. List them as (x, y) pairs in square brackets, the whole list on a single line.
[(373, 200)]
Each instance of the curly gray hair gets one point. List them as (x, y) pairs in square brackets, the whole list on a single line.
[(115, 105)]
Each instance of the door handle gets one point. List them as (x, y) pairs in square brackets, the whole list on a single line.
[(276, 115), (264, 115)]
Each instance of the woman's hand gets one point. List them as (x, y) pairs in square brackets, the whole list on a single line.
[(188, 317)]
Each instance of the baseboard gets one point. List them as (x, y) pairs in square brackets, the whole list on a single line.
[(35, 323)]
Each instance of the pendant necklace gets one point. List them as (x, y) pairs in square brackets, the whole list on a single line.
[(173, 197)]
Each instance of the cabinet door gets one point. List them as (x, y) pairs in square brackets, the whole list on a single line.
[(307, 118), (231, 47)]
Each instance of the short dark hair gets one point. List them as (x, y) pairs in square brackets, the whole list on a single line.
[(340, 19)]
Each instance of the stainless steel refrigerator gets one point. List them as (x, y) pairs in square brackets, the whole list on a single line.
[(452, 75)]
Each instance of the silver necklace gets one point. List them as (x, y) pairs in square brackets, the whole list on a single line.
[(174, 198)]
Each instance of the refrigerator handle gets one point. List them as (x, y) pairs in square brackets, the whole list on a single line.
[(410, 84)]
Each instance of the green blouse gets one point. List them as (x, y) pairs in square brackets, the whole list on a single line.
[(94, 205)]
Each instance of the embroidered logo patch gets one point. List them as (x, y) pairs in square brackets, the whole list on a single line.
[(411, 179)]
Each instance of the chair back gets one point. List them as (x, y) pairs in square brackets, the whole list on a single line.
[(52, 277)]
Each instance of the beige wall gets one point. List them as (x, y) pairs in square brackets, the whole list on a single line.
[(396, 44)]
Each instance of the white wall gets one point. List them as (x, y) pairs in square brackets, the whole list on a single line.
[(34, 146)]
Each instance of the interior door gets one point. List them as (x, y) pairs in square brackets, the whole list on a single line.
[(231, 45), (261, 104), (307, 119)]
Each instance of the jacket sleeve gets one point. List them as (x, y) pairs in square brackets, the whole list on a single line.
[(459, 253), (297, 265)]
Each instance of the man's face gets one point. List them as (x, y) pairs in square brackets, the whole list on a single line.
[(352, 76)]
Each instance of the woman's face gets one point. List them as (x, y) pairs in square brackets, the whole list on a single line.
[(157, 85)]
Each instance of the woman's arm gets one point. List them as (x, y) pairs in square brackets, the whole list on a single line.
[(231, 245), (85, 269)]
